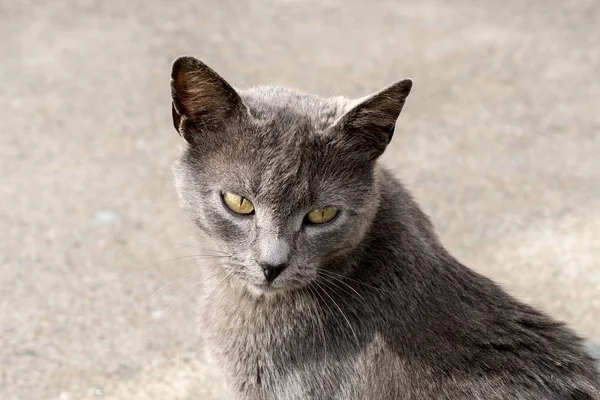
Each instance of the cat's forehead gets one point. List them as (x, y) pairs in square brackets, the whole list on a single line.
[(289, 106), (276, 163), (281, 144)]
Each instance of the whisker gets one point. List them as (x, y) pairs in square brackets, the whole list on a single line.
[(165, 287), (319, 314), (181, 244), (358, 282), (328, 277), (183, 339), (343, 315), (163, 269), (200, 257), (316, 291), (193, 256), (190, 288), (219, 285), (329, 282)]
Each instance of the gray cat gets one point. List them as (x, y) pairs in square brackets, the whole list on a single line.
[(333, 284)]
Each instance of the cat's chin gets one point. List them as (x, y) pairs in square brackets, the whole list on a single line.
[(266, 290)]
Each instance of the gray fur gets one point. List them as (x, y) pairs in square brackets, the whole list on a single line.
[(371, 305)]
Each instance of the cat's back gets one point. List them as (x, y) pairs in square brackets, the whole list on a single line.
[(450, 332)]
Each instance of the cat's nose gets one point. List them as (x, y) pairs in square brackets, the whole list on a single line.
[(272, 271)]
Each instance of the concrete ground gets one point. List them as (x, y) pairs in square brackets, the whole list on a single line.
[(500, 143)]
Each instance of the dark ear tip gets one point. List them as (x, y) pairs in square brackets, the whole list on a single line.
[(405, 86), (185, 63)]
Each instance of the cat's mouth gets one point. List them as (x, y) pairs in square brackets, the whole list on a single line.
[(265, 288), (260, 289)]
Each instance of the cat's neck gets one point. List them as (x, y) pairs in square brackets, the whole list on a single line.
[(400, 236)]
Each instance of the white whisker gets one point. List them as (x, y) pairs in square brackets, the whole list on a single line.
[(319, 314), (332, 279), (343, 315)]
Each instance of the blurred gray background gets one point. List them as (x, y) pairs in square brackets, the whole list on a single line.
[(499, 142)]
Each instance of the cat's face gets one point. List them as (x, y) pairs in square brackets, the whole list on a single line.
[(283, 182), (277, 195)]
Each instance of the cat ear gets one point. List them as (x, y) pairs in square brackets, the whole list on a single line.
[(201, 97), (370, 123)]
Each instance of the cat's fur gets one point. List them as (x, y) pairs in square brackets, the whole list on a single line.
[(371, 305)]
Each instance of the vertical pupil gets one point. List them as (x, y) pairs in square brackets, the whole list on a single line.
[(241, 201)]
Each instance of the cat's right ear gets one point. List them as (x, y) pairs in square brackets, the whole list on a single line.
[(202, 100)]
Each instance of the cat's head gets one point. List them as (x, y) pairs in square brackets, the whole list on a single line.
[(284, 182)]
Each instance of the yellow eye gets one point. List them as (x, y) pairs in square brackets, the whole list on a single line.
[(237, 203), (321, 215)]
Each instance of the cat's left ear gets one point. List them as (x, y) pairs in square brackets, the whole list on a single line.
[(369, 124)]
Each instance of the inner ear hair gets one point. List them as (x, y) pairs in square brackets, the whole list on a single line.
[(370, 124), (201, 96)]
